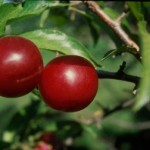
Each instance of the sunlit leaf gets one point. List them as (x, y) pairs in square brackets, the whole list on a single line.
[(39, 6), (44, 17), (7, 12), (111, 12), (36, 6), (136, 9), (144, 94), (1, 2), (57, 41)]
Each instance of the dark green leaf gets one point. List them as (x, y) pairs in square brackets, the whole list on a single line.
[(146, 4), (69, 128), (57, 41), (23, 117), (101, 3), (94, 31)]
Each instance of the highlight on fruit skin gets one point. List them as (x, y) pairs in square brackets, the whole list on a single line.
[(69, 83)]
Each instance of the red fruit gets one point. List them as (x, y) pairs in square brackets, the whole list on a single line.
[(69, 83), (48, 137), (51, 139), (21, 66), (43, 146)]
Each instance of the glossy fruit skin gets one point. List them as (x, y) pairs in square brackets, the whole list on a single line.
[(69, 83), (21, 66)]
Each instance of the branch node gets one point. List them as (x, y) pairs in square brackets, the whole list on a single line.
[(122, 67)]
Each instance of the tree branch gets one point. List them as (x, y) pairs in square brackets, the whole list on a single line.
[(119, 76), (113, 24)]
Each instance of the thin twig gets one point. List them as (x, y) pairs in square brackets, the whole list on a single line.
[(113, 24), (137, 125), (117, 108), (118, 19), (76, 10), (99, 115)]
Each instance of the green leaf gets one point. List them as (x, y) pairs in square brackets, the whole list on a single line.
[(36, 7), (13, 1), (68, 128), (144, 94), (1, 2), (57, 41), (109, 54), (23, 117), (7, 12), (33, 8), (111, 12), (94, 31), (136, 9), (121, 50), (44, 17)]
